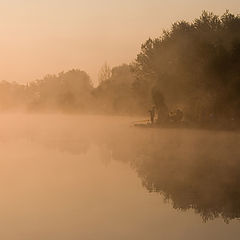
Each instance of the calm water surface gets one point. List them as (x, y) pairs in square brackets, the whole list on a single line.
[(78, 177)]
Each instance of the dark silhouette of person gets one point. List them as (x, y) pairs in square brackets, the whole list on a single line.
[(152, 114)]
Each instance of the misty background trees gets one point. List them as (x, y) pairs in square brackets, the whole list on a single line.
[(193, 66), (68, 91), (116, 94)]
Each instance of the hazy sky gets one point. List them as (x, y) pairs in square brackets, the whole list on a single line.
[(48, 36)]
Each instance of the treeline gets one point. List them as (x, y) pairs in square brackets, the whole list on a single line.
[(70, 91), (73, 92), (193, 66)]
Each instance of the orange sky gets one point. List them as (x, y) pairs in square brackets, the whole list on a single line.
[(48, 36)]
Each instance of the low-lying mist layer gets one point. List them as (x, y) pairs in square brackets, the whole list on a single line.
[(192, 169)]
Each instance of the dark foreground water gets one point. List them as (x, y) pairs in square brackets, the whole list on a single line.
[(78, 177)]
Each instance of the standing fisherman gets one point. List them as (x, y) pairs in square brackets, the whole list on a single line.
[(152, 114)]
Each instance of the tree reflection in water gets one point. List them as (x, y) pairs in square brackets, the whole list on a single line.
[(192, 169), (203, 175), (197, 170)]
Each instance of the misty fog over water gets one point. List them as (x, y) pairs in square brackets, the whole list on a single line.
[(119, 120), (96, 177)]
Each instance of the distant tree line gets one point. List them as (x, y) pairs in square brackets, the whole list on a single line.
[(193, 66), (73, 92)]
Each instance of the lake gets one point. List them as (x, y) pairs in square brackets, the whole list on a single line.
[(96, 177)]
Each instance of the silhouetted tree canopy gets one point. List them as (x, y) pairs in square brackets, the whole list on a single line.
[(195, 65)]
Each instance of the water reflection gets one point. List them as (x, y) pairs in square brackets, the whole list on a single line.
[(194, 170), (197, 170), (206, 183)]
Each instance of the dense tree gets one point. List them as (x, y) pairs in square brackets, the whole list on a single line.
[(194, 65)]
